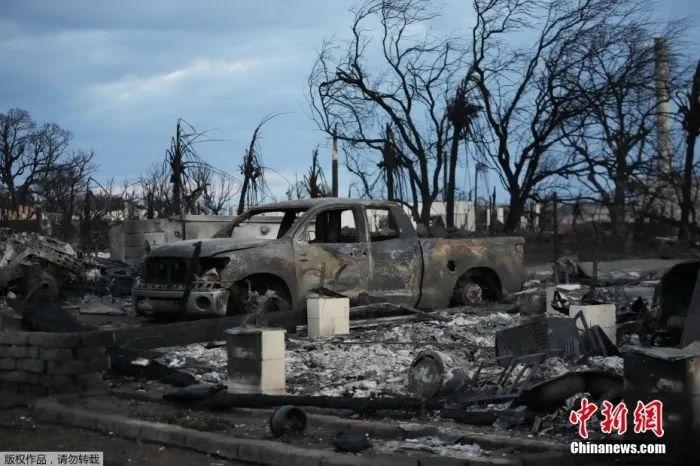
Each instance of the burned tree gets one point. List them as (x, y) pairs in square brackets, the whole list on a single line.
[(524, 102), (156, 192), (62, 188), (253, 187), (460, 113), (409, 90), (218, 190), (27, 153), (187, 169), (315, 181), (614, 78)]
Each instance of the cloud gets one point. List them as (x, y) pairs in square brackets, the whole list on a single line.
[(134, 86)]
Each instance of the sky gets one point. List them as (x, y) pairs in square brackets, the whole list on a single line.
[(120, 74)]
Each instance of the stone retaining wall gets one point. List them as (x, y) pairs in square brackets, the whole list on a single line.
[(41, 363)]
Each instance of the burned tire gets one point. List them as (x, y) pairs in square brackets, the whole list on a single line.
[(41, 284), (269, 292), (475, 287)]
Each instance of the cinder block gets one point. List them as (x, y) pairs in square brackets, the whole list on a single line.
[(31, 365), (32, 390), (4, 349), (89, 379), (14, 338), (33, 352), (54, 340), (13, 376), (341, 325), (8, 364), (604, 315), (55, 381), (10, 321), (327, 316), (89, 352), (320, 327), (318, 308), (66, 367), (255, 343), (256, 376), (9, 387), (56, 354), (17, 351)]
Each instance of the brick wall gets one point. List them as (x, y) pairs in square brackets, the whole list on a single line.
[(41, 363)]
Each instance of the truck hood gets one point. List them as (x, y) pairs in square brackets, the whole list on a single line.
[(210, 247)]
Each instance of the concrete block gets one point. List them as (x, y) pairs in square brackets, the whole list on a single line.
[(54, 340), (33, 352), (255, 343), (327, 316), (14, 338), (89, 379), (564, 287), (254, 376), (13, 376), (8, 364), (31, 365), (598, 314), (341, 325), (17, 351), (89, 352), (318, 308), (4, 350), (32, 390), (11, 321), (9, 387), (55, 381), (56, 354), (320, 327), (66, 367)]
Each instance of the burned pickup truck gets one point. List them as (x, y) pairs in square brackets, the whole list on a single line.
[(356, 248)]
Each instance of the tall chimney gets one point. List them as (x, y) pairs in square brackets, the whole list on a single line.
[(663, 105)]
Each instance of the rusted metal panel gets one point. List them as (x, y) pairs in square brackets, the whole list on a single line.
[(446, 260)]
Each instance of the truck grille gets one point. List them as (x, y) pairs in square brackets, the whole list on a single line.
[(165, 270), (173, 270)]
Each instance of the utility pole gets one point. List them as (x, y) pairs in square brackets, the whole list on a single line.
[(334, 166)]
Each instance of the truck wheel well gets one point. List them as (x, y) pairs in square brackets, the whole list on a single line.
[(260, 283), (484, 278)]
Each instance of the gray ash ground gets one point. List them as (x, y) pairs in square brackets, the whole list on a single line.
[(371, 361)]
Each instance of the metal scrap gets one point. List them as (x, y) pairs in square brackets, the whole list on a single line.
[(27, 259)]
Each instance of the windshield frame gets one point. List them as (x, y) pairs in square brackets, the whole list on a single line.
[(227, 230)]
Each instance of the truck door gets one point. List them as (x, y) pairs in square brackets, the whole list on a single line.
[(330, 251), (395, 256)]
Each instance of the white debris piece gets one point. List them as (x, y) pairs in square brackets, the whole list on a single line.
[(430, 445), (613, 364)]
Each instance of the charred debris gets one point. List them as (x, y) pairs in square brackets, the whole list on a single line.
[(520, 364)]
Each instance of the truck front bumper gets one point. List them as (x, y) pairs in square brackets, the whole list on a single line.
[(161, 300)]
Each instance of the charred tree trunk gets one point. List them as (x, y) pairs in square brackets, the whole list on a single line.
[(452, 167), (516, 208)]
